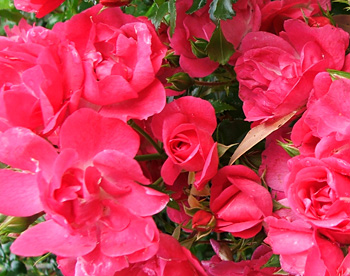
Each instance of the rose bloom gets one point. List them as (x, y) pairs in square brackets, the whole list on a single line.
[(239, 202), (275, 13), (185, 126), (171, 259), (40, 7), (121, 56), (41, 79), (95, 208), (302, 250), (218, 267), (318, 188), (328, 112), (199, 25), (276, 73)]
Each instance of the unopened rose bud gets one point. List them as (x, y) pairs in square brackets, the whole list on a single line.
[(199, 48), (115, 3), (180, 81), (203, 221), (17, 224)]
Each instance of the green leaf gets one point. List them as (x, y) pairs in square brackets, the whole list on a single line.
[(281, 272), (173, 204), (158, 14), (197, 4), (177, 232), (219, 49), (335, 74), (289, 148), (220, 106), (5, 4), (274, 261), (188, 242), (172, 16), (223, 148), (278, 206), (199, 47), (222, 9)]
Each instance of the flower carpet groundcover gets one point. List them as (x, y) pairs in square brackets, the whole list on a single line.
[(174, 137)]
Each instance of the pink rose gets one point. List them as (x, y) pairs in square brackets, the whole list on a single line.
[(276, 12), (239, 202), (89, 192), (303, 138), (218, 267), (199, 25), (302, 250), (121, 58), (41, 79), (171, 259), (189, 27), (276, 73), (328, 114), (40, 7), (185, 126), (318, 188)]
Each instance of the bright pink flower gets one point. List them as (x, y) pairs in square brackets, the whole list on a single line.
[(171, 259), (302, 250), (40, 7), (239, 202), (41, 79), (121, 56), (185, 126), (189, 27), (303, 139), (276, 72), (276, 12), (199, 25), (274, 159), (328, 114), (95, 207), (218, 267), (318, 188)]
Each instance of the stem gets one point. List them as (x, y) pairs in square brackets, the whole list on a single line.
[(146, 135), (212, 84), (158, 181), (152, 156)]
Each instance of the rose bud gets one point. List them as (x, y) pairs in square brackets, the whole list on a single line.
[(203, 221)]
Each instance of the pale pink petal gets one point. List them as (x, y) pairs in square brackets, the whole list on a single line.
[(49, 236), (89, 133), (19, 193)]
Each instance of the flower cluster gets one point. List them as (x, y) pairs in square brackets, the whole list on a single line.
[(124, 177)]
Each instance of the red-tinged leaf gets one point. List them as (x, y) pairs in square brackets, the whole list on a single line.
[(258, 133)]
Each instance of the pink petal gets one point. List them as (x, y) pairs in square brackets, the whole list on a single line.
[(150, 101), (22, 149), (139, 235), (49, 236), (89, 133), (170, 172), (19, 194)]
